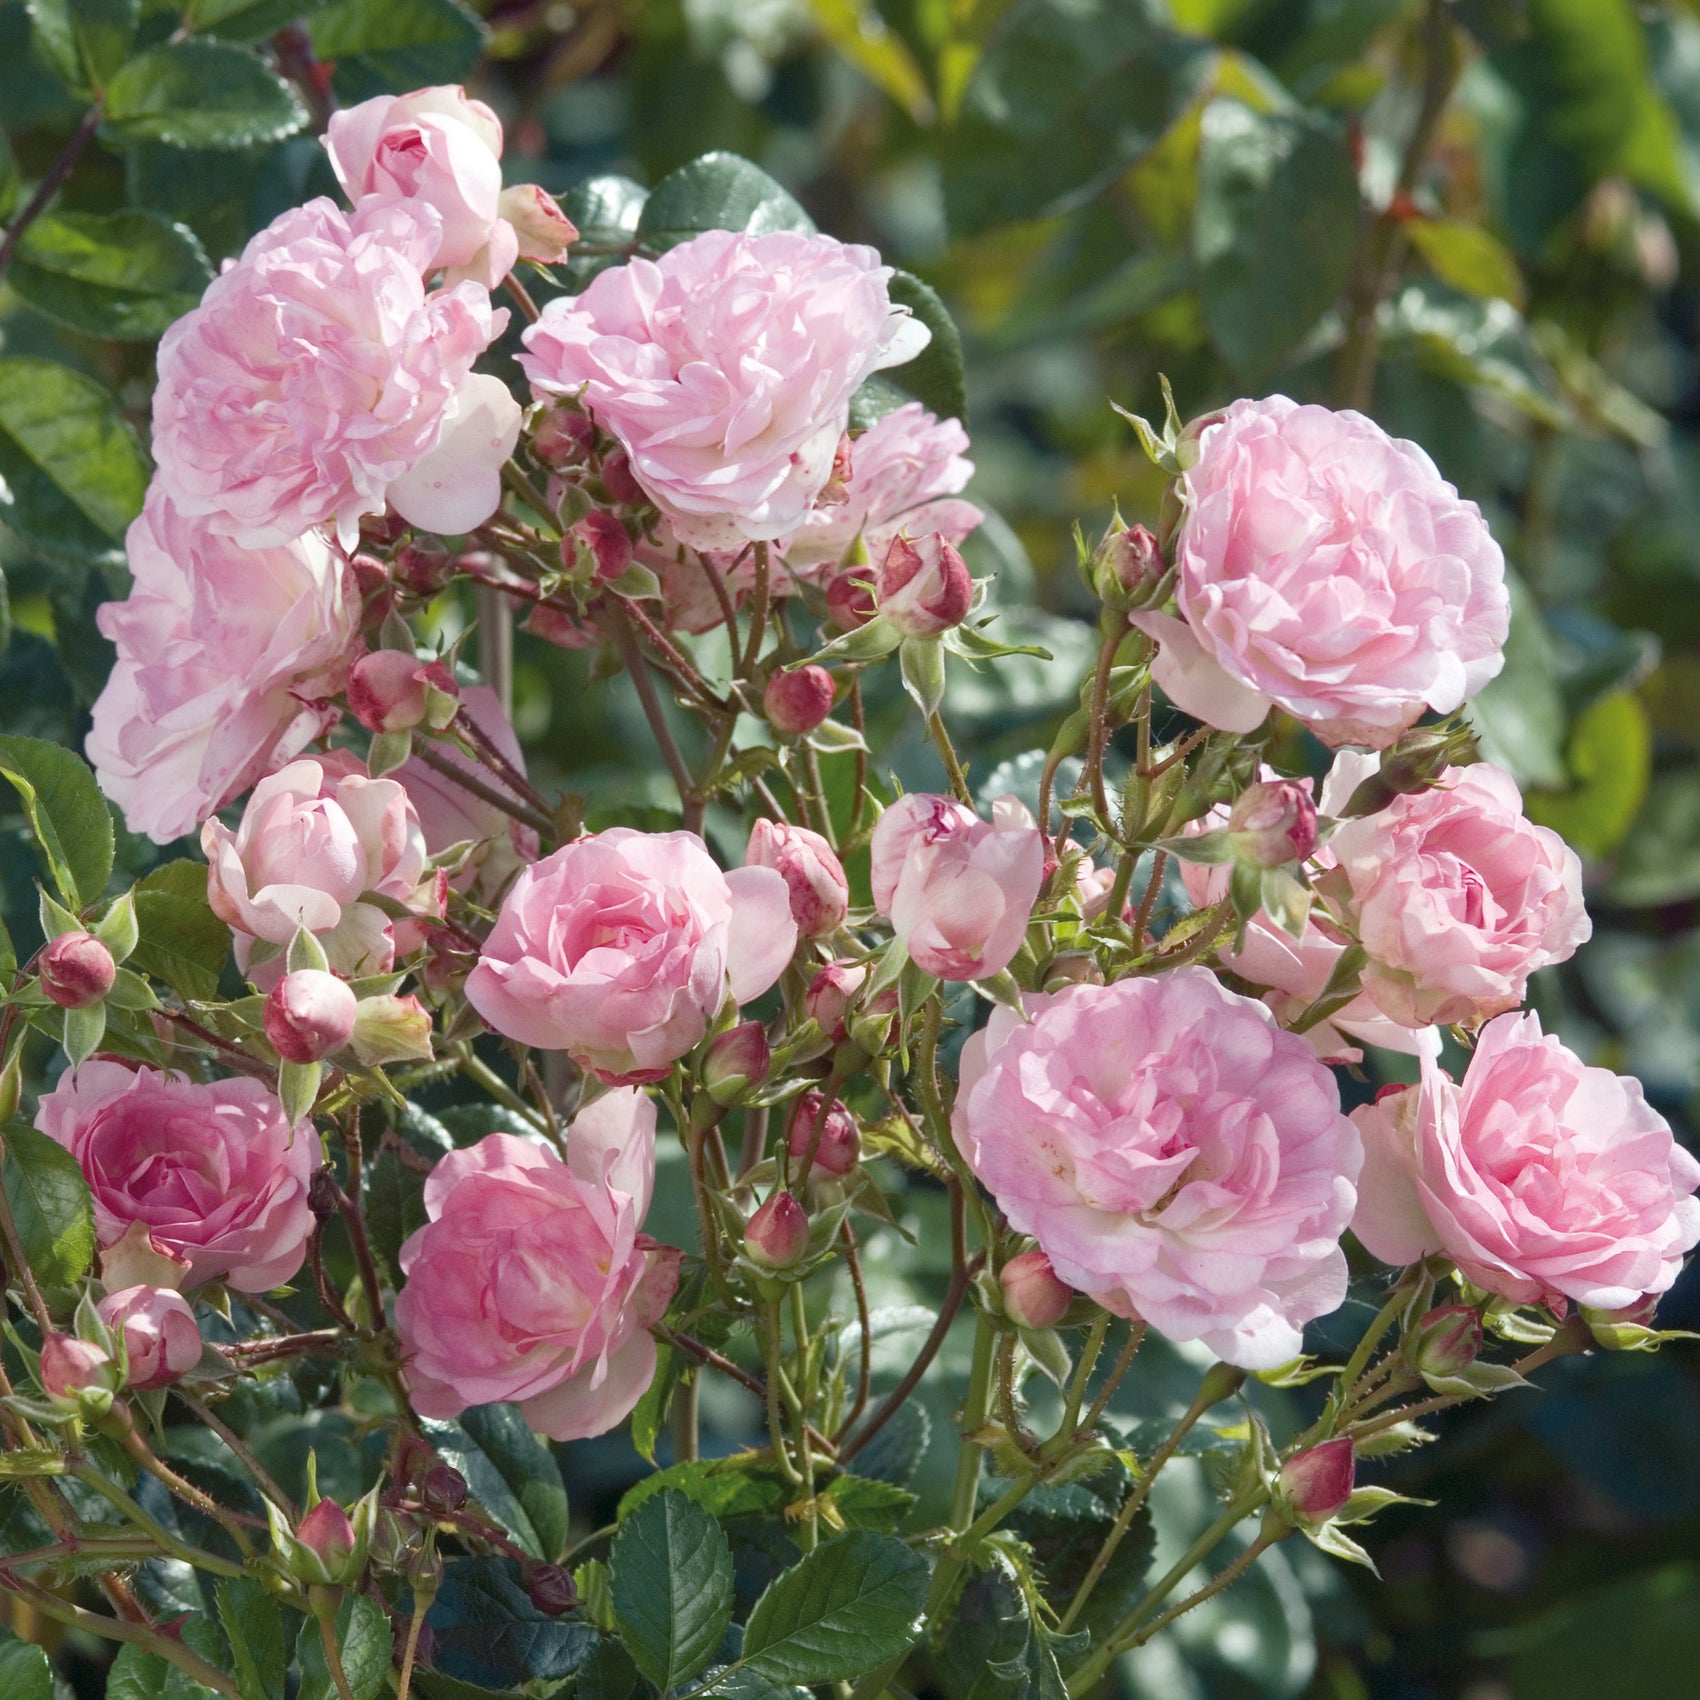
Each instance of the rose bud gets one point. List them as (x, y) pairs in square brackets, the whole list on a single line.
[(162, 1340), (331, 1542), (798, 701), (1316, 1483), (736, 1062), (620, 481), (1033, 1297), (1127, 565), (309, 1014), (835, 492), (849, 602), (391, 1028), (563, 439), (778, 1233), (443, 1490), (544, 231), (76, 970), (814, 877), (392, 691), (551, 1589), (383, 530), (1272, 824), (602, 541), (79, 1374), (840, 1140), (423, 565), (1447, 1340), (923, 586), (377, 594), (830, 994)]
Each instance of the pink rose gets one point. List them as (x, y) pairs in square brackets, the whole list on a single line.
[(224, 657), (622, 946), (531, 1282), (162, 1339), (1175, 1154), (958, 891), (1457, 898), (1329, 569), (1541, 1178), (725, 369), (318, 380), (215, 1173), (813, 874), (314, 837)]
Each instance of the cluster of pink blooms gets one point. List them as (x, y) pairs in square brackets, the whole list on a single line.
[(1168, 1146)]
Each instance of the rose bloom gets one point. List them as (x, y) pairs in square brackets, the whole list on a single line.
[(813, 874), (622, 946), (162, 1339), (531, 1282), (725, 369), (224, 655), (318, 380), (314, 836), (1328, 569), (215, 1173), (1175, 1154), (1456, 897), (1544, 1180), (957, 890)]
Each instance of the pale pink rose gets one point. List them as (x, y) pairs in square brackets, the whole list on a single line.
[(531, 1282), (905, 472), (449, 814), (224, 658), (543, 231), (313, 838), (317, 380), (162, 1339), (1544, 1180), (1328, 569), (725, 370), (1456, 898), (215, 1173), (813, 874), (622, 946), (1175, 1154), (958, 891)]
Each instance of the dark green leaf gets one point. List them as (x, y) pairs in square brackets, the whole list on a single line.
[(895, 1453), (182, 942), (393, 1194), (1520, 716), (24, 1671), (8, 178), (672, 1587), (364, 1645), (247, 20), (85, 40), (651, 1410), (51, 1205), (488, 1632), (511, 1473), (140, 1675), (720, 191), (72, 475), (867, 1504), (850, 1605), (395, 45), (123, 275), (253, 1624), (201, 94), (724, 1487), (605, 212), (67, 814), (1631, 1636), (1467, 257), (935, 377)]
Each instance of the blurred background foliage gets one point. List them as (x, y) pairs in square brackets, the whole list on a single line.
[(1477, 220)]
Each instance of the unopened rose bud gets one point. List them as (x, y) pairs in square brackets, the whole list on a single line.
[(551, 1589), (798, 701), (162, 1340), (1272, 824), (736, 1062), (392, 691), (620, 481), (830, 994), (778, 1233), (849, 601), (309, 1014), (814, 877), (840, 1140), (563, 439), (324, 1196), (601, 540), (413, 1458), (423, 565), (77, 1373), (835, 492), (383, 530), (1447, 1340), (77, 970), (1315, 1484), (544, 231), (1412, 764), (1127, 566), (329, 1539), (377, 593), (443, 1490), (923, 586), (1033, 1297)]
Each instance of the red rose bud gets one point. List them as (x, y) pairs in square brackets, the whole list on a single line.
[(383, 530), (392, 691), (551, 1589), (76, 970), (836, 491), (840, 1144), (1127, 565), (850, 604), (1447, 1341), (377, 594), (736, 1062), (1315, 1484), (923, 586), (563, 439), (78, 1374), (309, 1014), (1033, 1297), (602, 542), (1272, 824), (798, 701), (778, 1233), (329, 1538), (423, 565), (443, 1490), (830, 994), (620, 481), (544, 231)]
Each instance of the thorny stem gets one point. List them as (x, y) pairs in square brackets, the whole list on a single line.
[(458, 775), (333, 1658), (1097, 722), (133, 1443), (116, 1497), (241, 1450), (865, 1364), (19, 1263), (775, 1420), (947, 753), (614, 618), (1225, 1577), (1142, 920), (1135, 1335), (522, 297), (707, 1355)]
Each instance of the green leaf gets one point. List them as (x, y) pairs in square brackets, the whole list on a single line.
[(253, 1624), (364, 1644), (181, 941), (1519, 716), (651, 1410), (487, 1631), (672, 1586), (1610, 758), (9, 181), (850, 1605), (867, 1504), (720, 191), (1467, 257), (1633, 1635), (935, 377), (246, 20), (85, 41), (50, 1204), (1659, 862), (1275, 229), (724, 1487), (605, 212), (200, 94), (24, 1671), (66, 812), (395, 45), (124, 276), (857, 30), (510, 1472), (72, 475), (140, 1675)]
